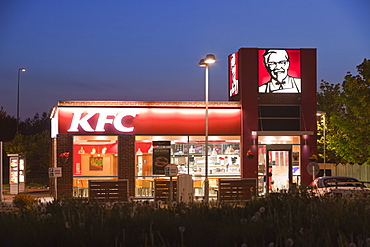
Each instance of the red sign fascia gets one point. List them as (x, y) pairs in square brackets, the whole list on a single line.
[(148, 121)]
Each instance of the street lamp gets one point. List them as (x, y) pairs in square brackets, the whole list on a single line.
[(19, 77), (209, 59), (323, 114)]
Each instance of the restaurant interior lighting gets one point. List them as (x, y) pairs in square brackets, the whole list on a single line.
[(139, 152)]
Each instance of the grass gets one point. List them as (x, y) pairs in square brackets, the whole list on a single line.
[(276, 220)]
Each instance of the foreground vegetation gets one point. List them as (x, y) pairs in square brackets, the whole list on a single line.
[(277, 220)]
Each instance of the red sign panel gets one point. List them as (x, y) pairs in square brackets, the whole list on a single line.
[(234, 74), (279, 71), (147, 121)]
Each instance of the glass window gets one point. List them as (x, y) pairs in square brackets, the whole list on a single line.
[(274, 162), (279, 118), (279, 111), (95, 157), (188, 153), (279, 140), (279, 124)]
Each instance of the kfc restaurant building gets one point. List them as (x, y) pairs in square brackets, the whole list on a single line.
[(271, 114)]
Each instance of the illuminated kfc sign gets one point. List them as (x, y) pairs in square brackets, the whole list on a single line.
[(233, 74), (105, 117), (279, 71), (106, 120)]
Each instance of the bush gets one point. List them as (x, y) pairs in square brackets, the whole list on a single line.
[(24, 201), (279, 219)]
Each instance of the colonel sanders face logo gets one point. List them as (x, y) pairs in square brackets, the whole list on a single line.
[(277, 64)]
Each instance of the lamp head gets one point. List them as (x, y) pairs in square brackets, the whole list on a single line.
[(22, 69), (210, 58), (202, 63), (320, 113)]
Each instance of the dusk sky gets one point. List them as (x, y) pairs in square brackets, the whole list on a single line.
[(148, 50)]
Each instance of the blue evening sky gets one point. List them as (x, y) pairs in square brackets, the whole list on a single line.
[(148, 50)]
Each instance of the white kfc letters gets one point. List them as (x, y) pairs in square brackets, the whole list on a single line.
[(106, 116)]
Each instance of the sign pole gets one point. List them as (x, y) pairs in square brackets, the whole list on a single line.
[(313, 173), (171, 170), (171, 189), (52, 174), (55, 189), (313, 169), (55, 173)]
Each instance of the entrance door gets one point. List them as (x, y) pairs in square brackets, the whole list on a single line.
[(279, 170)]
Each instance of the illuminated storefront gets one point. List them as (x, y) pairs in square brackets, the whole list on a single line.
[(147, 136), (266, 131), (277, 92)]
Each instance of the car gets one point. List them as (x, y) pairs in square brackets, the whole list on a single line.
[(339, 186)]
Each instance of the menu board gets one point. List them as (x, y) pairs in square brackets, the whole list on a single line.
[(14, 171), (161, 158)]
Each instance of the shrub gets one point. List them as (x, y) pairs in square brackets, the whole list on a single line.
[(24, 201), (278, 219)]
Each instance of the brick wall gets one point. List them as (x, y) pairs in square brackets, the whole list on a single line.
[(279, 99), (126, 160), (126, 163), (65, 183)]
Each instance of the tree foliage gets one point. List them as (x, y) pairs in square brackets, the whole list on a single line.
[(348, 115), (35, 125), (8, 126), (328, 102), (32, 140), (36, 148), (30, 126)]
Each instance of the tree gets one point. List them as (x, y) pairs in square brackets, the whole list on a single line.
[(348, 110), (32, 140), (36, 148), (327, 101), (30, 126), (35, 125), (7, 126)]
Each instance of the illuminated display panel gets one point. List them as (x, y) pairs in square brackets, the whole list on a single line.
[(234, 74), (147, 121), (14, 171), (279, 71)]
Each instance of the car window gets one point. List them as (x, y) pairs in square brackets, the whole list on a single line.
[(342, 182)]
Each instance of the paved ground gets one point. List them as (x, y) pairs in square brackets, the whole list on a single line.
[(41, 194)]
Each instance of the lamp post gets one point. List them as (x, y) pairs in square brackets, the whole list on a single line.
[(323, 114), (209, 59), (19, 77)]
